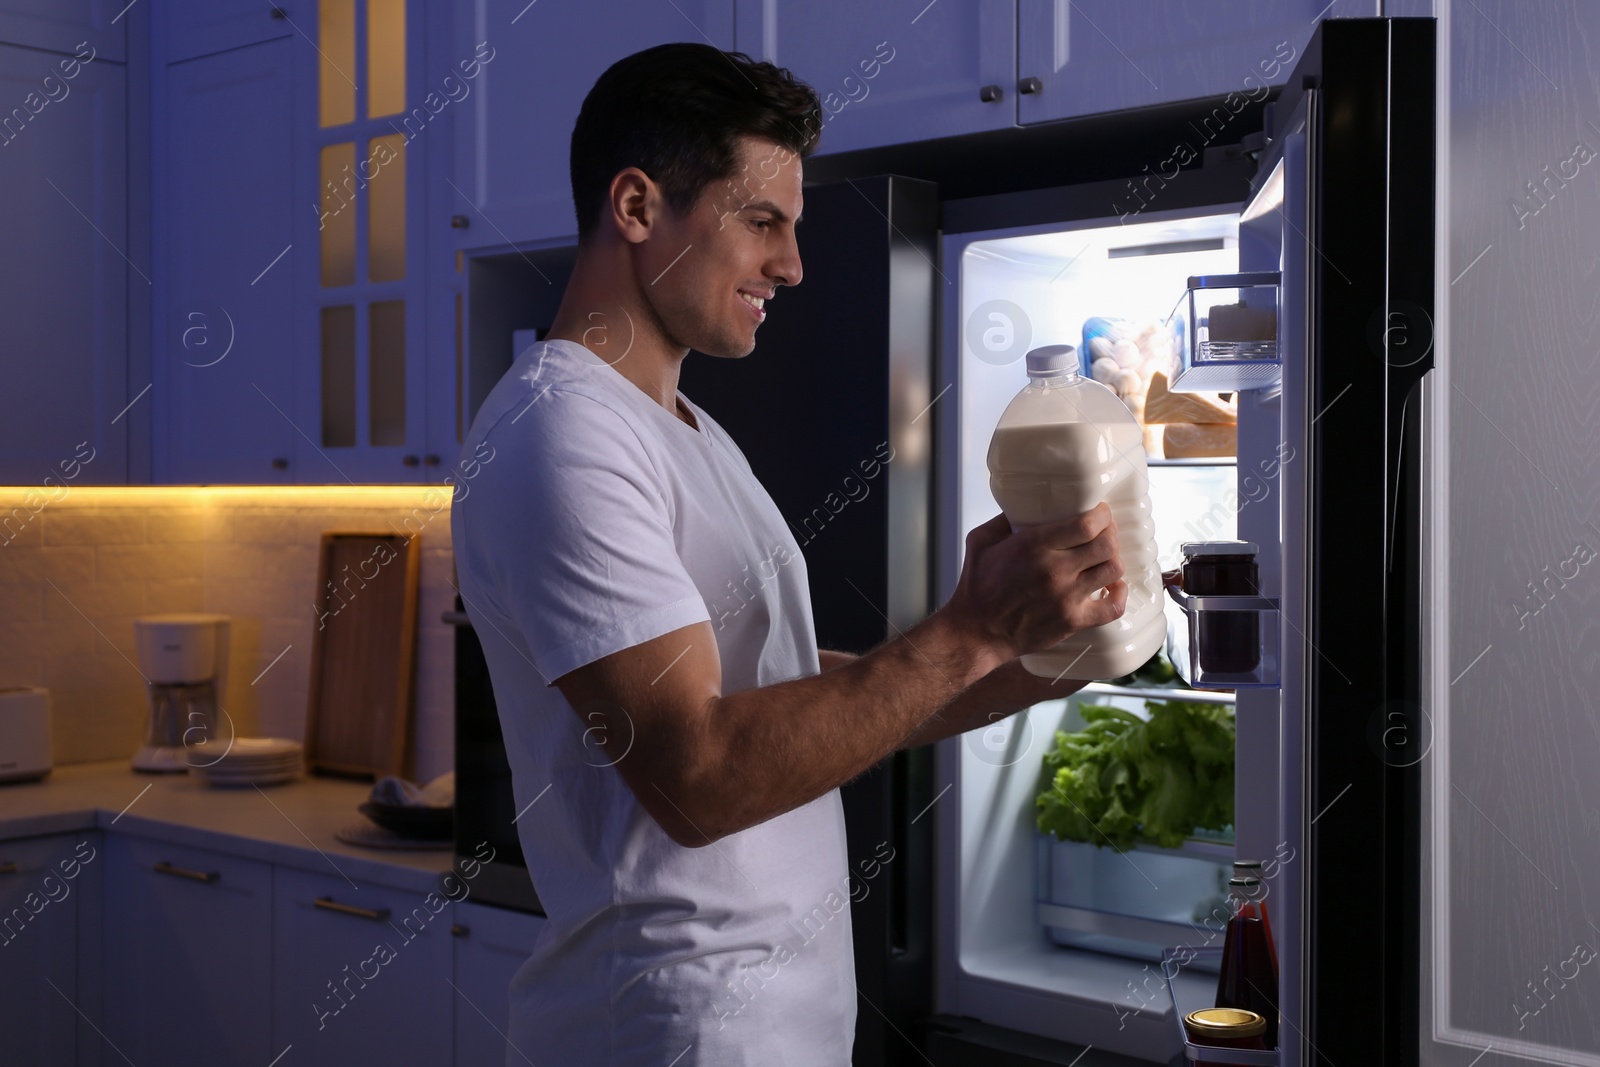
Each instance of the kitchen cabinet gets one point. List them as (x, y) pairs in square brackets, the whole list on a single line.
[(59, 26), (969, 66), (203, 27), (489, 945), (516, 127), (202, 922), (896, 72), (63, 210), (359, 972), (1090, 57), (225, 356), (294, 346), (49, 926)]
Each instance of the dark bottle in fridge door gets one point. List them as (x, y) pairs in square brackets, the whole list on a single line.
[(1249, 979)]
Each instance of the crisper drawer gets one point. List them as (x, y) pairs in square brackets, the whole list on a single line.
[(360, 973), (1133, 903)]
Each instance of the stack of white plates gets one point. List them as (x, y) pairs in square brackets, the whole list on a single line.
[(253, 761)]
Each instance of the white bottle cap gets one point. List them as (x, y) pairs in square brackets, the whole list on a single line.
[(1051, 360)]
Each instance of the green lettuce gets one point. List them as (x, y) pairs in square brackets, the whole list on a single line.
[(1122, 780)]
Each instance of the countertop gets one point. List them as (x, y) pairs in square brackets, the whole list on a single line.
[(291, 824)]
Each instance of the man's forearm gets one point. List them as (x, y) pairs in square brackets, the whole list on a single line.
[(1004, 691), (783, 745)]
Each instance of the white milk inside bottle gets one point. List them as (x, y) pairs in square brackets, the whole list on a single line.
[(1064, 444)]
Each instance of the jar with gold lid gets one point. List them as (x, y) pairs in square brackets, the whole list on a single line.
[(1226, 1028)]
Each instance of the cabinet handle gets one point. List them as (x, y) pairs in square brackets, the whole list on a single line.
[(183, 872), (1030, 85), (430, 460), (459, 222), (279, 13), (329, 904), (279, 463), (411, 461), (8, 867), (990, 93), (457, 930)]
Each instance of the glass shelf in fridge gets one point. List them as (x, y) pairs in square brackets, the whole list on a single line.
[(1228, 334)]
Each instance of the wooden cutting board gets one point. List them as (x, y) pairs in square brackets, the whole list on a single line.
[(363, 654)]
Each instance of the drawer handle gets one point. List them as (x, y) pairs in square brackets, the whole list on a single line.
[(8, 867), (183, 872), (329, 904)]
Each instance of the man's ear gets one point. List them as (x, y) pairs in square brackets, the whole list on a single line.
[(635, 204)]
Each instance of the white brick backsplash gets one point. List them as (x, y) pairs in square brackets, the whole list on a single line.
[(67, 525), (252, 556)]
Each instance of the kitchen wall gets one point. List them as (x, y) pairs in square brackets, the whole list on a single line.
[(76, 571)]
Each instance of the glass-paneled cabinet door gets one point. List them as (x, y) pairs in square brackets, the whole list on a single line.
[(362, 318)]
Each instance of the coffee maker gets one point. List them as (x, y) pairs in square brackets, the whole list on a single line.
[(184, 659)]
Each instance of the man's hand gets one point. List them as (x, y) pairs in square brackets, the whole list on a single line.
[(1030, 590)]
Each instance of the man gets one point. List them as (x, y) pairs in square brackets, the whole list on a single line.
[(678, 780)]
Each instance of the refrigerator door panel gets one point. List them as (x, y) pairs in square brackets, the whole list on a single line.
[(1369, 293), (1509, 916)]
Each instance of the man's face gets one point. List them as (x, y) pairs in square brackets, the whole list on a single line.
[(737, 242)]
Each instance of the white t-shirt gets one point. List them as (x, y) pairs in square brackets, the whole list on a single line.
[(588, 519)]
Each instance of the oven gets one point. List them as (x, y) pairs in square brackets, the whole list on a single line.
[(485, 804)]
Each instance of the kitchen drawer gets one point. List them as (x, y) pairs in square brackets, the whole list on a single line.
[(202, 922), (360, 973)]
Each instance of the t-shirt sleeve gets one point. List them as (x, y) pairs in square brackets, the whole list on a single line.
[(569, 527)]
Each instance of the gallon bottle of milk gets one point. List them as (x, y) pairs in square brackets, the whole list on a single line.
[(1064, 444)]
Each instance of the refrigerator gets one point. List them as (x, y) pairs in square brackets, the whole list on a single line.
[(978, 943)]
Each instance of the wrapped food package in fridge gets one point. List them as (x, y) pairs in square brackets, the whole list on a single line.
[(1163, 405), (1191, 440), (1135, 359)]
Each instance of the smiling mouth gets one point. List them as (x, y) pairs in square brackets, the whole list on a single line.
[(754, 303)]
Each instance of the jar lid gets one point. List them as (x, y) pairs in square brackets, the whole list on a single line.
[(1225, 1022), (1203, 549)]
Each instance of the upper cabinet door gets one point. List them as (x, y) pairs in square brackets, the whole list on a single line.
[(366, 123), (1088, 57), (201, 27), (892, 71), (536, 63), (224, 354), (62, 25), (64, 257)]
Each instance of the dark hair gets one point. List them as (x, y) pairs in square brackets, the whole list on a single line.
[(676, 111)]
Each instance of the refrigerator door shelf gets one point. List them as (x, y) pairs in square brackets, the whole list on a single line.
[(1231, 641), (1174, 960), (1227, 327)]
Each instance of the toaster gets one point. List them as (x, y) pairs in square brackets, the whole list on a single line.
[(24, 734)]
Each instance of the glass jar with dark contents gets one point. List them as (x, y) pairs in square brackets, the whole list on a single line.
[(1226, 1028), (1227, 642)]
